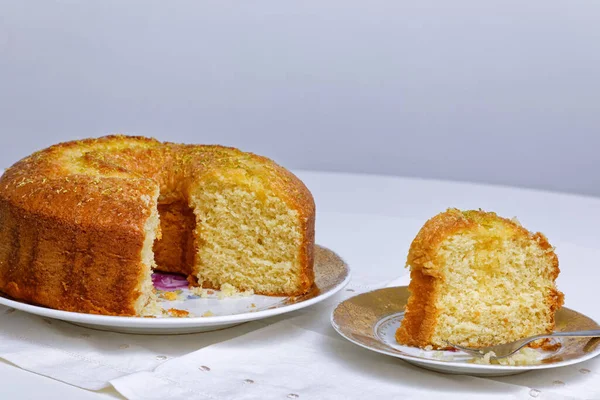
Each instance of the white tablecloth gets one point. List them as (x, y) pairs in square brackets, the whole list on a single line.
[(299, 355)]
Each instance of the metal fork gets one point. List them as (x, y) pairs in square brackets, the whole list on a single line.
[(507, 349)]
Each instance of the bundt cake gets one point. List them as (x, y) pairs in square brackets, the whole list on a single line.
[(84, 223), (478, 280)]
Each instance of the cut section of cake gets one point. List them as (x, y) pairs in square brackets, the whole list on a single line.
[(478, 280)]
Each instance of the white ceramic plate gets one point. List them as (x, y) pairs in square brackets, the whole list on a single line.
[(370, 320), (331, 275)]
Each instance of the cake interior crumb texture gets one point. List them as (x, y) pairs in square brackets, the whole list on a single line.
[(218, 215), (478, 280), (248, 236)]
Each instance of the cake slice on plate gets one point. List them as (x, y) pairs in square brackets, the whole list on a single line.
[(478, 280)]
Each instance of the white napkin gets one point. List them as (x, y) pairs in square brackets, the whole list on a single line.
[(297, 353), (90, 358), (304, 356), (579, 381), (284, 361)]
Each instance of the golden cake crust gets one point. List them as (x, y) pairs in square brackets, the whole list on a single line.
[(421, 314), (72, 216)]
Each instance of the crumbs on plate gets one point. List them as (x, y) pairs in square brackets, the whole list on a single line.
[(525, 356), (227, 290), (172, 296), (174, 312), (201, 292)]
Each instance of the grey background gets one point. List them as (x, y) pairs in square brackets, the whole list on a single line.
[(504, 92)]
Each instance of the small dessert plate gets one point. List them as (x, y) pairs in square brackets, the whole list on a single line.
[(189, 312), (370, 320)]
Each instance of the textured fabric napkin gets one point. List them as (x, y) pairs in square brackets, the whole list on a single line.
[(90, 359), (297, 355), (285, 361), (266, 363)]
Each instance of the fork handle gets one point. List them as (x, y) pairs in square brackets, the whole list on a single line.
[(589, 333)]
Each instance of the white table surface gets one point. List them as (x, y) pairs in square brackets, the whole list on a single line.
[(371, 220)]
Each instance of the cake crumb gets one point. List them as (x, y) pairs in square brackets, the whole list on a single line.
[(169, 296), (443, 356), (152, 307), (486, 359), (208, 314), (174, 312), (525, 356), (199, 291), (172, 295), (228, 290), (551, 345)]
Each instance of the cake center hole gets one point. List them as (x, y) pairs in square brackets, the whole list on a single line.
[(175, 250)]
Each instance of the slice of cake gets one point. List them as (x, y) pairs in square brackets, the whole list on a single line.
[(478, 280)]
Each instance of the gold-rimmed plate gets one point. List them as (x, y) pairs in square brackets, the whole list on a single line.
[(370, 320)]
